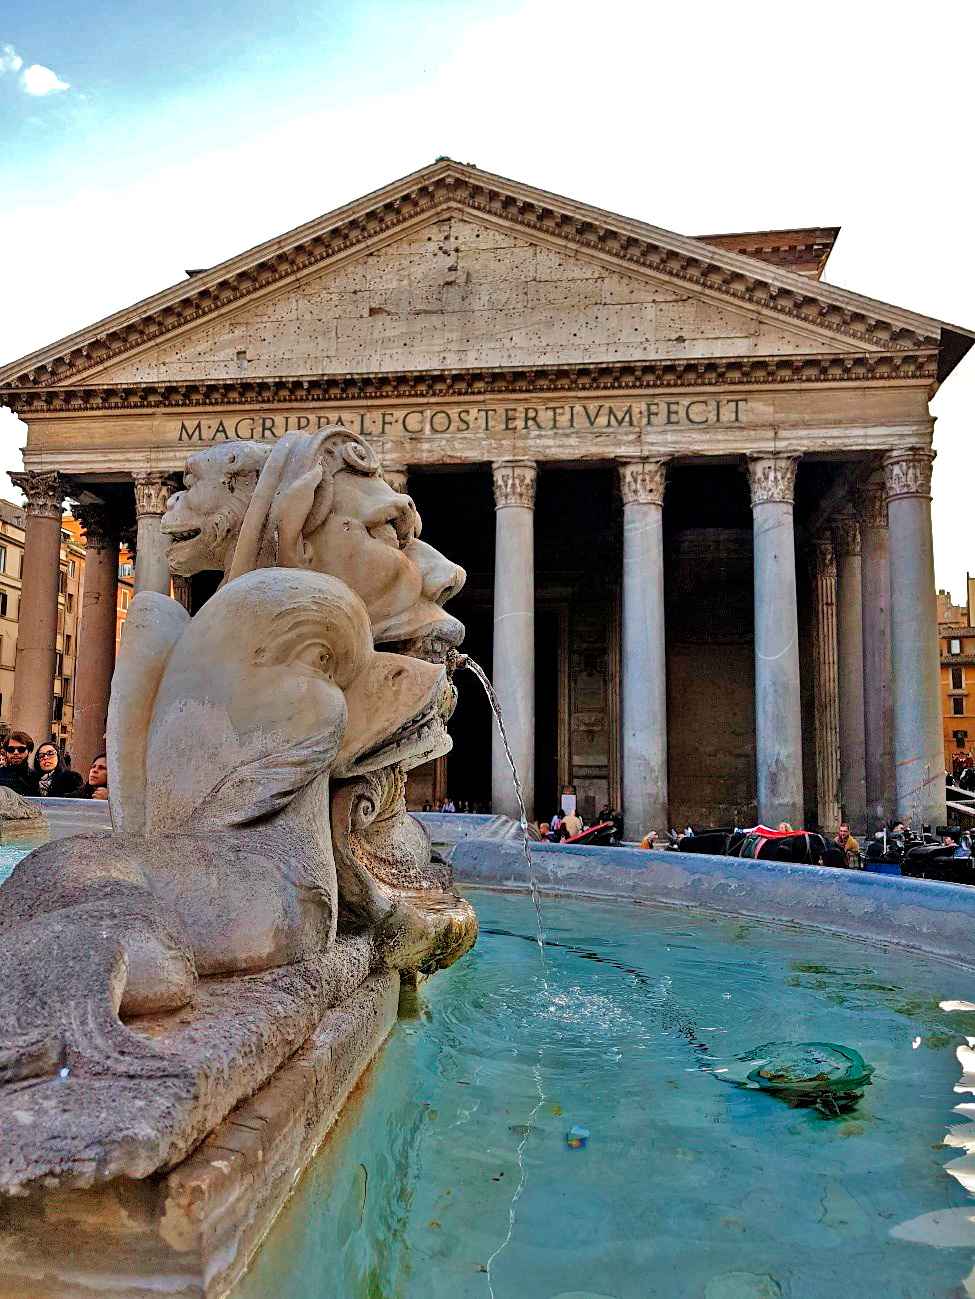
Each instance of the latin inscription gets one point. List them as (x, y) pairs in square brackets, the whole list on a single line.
[(569, 417)]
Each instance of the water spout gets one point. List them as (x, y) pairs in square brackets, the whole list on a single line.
[(455, 663)]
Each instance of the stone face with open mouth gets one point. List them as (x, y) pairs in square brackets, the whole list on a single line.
[(318, 501)]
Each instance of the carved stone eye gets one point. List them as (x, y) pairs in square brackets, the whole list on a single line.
[(319, 658)]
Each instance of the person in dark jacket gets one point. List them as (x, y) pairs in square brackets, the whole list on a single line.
[(16, 773), (97, 783), (54, 779)]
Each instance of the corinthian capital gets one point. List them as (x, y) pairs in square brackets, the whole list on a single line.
[(152, 491), (872, 507), (514, 483), (772, 478), (396, 476), (908, 473), (846, 535), (99, 523), (642, 482), (822, 558), (45, 492)]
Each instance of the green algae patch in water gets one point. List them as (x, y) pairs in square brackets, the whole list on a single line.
[(806, 1075)]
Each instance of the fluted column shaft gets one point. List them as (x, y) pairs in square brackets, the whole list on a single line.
[(152, 491), (878, 694), (33, 701), (96, 638), (778, 717), (826, 694), (918, 739), (849, 660), (644, 654), (514, 631)]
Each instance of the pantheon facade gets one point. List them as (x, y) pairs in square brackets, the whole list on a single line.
[(689, 481)]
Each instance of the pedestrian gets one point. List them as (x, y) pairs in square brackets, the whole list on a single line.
[(97, 783), (572, 824), (427, 806), (54, 779), (847, 844), (448, 805), (16, 773)]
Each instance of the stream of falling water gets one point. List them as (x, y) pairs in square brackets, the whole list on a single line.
[(466, 661)]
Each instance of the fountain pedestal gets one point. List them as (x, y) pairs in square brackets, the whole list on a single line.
[(193, 1230)]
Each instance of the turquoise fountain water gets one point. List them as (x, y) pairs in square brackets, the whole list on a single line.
[(686, 1186)]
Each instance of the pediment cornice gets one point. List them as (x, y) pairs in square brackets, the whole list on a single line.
[(448, 186), (420, 385)]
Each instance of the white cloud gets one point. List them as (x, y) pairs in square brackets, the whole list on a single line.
[(10, 60), (38, 80), (35, 80)]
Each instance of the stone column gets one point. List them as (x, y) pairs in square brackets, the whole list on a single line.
[(643, 650), (152, 491), (849, 662), (827, 701), (778, 716), (183, 591), (919, 760), (96, 637), (396, 476), (878, 695), (33, 701), (514, 631)]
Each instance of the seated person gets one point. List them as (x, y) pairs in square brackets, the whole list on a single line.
[(16, 773), (97, 784), (54, 779)]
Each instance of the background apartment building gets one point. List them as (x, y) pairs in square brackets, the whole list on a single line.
[(71, 579), (956, 637)]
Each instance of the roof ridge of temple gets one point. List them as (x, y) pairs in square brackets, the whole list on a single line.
[(708, 265)]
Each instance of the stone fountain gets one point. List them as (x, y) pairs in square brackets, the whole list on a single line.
[(188, 999)]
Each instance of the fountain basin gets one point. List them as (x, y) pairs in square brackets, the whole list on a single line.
[(702, 1185)]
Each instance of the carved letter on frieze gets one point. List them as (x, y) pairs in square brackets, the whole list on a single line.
[(642, 482), (908, 473), (514, 483), (873, 507), (772, 478), (846, 536), (152, 491), (45, 492)]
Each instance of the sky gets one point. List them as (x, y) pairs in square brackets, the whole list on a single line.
[(139, 140)]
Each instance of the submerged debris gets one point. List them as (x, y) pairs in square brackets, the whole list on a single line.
[(816, 1075)]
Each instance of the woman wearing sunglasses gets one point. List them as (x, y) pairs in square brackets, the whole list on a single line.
[(16, 773), (54, 779)]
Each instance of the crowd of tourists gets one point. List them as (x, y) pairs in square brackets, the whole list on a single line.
[(47, 773), (448, 805)]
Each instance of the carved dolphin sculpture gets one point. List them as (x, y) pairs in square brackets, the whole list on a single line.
[(222, 861)]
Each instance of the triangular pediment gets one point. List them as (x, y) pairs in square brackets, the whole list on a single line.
[(452, 268), (460, 291)]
